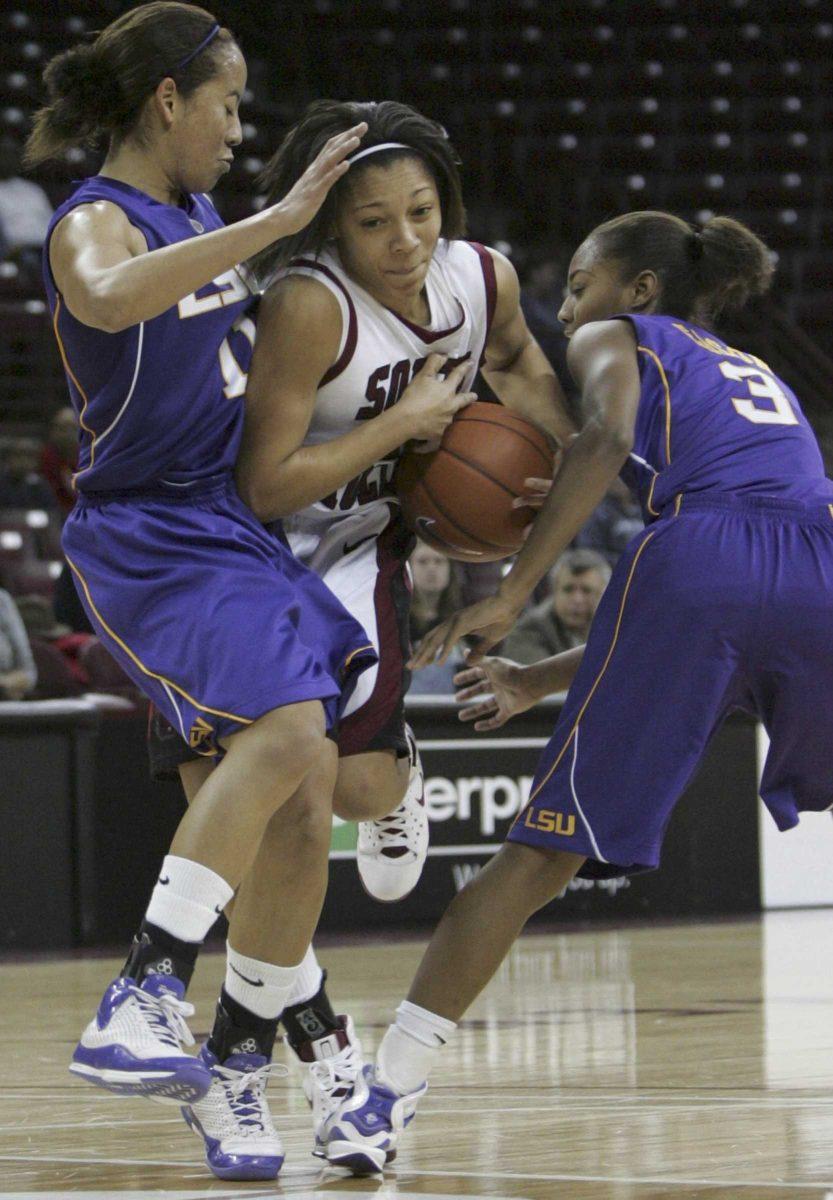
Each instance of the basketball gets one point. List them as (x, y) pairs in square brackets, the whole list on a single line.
[(459, 497)]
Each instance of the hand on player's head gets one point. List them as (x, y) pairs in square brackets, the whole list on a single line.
[(303, 201)]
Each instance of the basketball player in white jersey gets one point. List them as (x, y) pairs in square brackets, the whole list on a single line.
[(371, 330), (370, 334)]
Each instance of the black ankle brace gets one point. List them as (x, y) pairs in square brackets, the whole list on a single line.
[(157, 952)]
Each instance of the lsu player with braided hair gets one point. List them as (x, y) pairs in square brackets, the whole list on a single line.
[(722, 602)]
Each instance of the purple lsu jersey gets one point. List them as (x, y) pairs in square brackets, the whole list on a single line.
[(722, 602), (161, 401), (208, 613), (715, 419)]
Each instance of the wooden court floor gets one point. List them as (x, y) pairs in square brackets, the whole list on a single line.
[(676, 1061)]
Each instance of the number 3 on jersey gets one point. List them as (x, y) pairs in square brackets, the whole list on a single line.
[(762, 387)]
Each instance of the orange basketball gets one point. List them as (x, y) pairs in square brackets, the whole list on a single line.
[(459, 497)]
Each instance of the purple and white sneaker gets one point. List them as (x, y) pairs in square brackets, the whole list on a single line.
[(233, 1117), (133, 1045), (362, 1133)]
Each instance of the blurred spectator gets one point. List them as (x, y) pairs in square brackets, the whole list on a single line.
[(562, 621), (18, 674), (59, 457), (436, 595), (617, 519), (25, 212), (20, 484), (40, 623)]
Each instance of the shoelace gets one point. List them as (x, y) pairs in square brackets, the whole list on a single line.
[(245, 1091), (336, 1075), (166, 1014)]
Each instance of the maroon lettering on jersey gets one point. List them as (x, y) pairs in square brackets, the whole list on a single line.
[(375, 394), (396, 376)]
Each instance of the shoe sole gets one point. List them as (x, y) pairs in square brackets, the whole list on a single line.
[(359, 1159), (319, 1151), (165, 1087), (389, 899)]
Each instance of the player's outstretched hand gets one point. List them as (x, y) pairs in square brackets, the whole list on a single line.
[(302, 202), (431, 400), (489, 620), (501, 684)]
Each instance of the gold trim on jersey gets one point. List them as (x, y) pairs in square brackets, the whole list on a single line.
[(217, 712), (667, 390), (649, 503), (353, 653), (597, 680), (80, 390)]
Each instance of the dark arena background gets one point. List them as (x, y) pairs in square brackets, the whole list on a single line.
[(662, 1035)]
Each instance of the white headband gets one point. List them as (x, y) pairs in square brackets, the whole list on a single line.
[(376, 149)]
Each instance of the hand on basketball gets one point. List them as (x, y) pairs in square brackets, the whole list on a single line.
[(501, 684), (430, 401), (536, 489), (489, 620), (534, 494), (303, 201)]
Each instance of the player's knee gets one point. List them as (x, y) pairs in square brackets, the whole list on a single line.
[(290, 742), (542, 874), (369, 786), (302, 828)]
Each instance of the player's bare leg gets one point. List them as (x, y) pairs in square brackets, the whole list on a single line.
[(263, 766), (134, 1045), (328, 1050), (476, 932), (369, 785), (275, 911), (482, 922), (385, 794)]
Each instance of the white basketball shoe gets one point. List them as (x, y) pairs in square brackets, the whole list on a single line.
[(391, 851), (233, 1117), (331, 1065)]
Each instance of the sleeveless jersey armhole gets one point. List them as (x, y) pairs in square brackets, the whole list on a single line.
[(349, 321)]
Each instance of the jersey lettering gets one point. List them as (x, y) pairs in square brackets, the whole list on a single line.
[(231, 289), (716, 347), (234, 377), (373, 484), (762, 387), (387, 383)]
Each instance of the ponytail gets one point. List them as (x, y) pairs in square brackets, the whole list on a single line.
[(703, 270), (97, 91)]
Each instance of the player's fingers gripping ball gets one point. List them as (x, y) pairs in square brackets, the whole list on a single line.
[(460, 497)]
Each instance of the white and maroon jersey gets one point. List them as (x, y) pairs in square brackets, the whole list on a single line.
[(379, 354)]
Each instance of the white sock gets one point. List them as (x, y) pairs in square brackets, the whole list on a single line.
[(260, 987), (189, 900), (308, 980), (410, 1047)]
